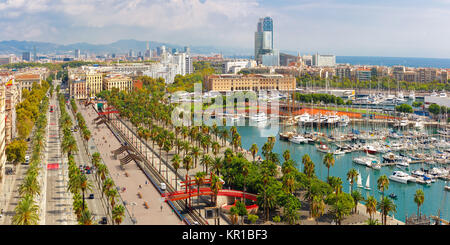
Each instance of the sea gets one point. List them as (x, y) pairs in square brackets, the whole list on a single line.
[(392, 61), (436, 198)]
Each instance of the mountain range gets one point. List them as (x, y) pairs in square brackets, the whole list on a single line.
[(118, 47)]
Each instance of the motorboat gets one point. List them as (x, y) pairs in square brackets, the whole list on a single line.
[(332, 119), (370, 149), (298, 139), (259, 117), (442, 94), (402, 164), (412, 95), (401, 177), (393, 196), (304, 118), (323, 148), (366, 161), (339, 152)]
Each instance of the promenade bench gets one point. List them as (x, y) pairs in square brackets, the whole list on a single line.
[(146, 205)]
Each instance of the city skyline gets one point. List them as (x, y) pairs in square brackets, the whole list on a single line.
[(409, 28)]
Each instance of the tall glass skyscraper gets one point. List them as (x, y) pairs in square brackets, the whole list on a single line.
[(263, 38)]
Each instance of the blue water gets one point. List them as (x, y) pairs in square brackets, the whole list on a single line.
[(435, 196), (391, 61)]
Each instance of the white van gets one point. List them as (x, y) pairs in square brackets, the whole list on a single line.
[(27, 159)]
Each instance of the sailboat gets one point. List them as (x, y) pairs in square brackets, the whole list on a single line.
[(359, 181), (367, 187)]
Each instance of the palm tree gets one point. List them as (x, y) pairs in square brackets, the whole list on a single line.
[(118, 213), (187, 163), (29, 186), (195, 152), (317, 206), (386, 207), (217, 164), (199, 180), (86, 218), (69, 146), (224, 135), (206, 161), (102, 171), (112, 194), (26, 212), (419, 198), (383, 184), (215, 147), (176, 165), (351, 175), (254, 151), (216, 185), (84, 185), (306, 159), (107, 185), (371, 206), (328, 160), (357, 197)]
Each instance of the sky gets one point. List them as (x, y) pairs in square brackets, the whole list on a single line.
[(397, 28)]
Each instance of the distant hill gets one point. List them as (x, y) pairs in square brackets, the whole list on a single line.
[(118, 47)]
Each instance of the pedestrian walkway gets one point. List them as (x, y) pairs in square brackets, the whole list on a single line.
[(144, 203)]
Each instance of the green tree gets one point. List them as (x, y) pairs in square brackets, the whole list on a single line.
[(419, 198)]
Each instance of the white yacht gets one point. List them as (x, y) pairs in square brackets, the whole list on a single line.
[(442, 94), (260, 117), (298, 139), (412, 95), (323, 148), (332, 119), (434, 94), (401, 177), (366, 161), (339, 152), (304, 118)]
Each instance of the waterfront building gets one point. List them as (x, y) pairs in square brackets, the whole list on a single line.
[(253, 82), (320, 60), (118, 81), (363, 74), (410, 76), (343, 72), (26, 80), (426, 75), (398, 72), (444, 76)]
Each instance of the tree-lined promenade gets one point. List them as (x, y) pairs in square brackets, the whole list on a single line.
[(33, 108), (203, 150)]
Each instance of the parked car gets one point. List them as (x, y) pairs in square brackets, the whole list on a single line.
[(27, 159), (91, 196)]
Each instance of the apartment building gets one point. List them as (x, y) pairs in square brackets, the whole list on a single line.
[(118, 81), (2, 132), (13, 96), (225, 83), (28, 79), (78, 89)]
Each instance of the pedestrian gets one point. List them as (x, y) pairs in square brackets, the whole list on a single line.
[(146, 182), (140, 187), (161, 207)]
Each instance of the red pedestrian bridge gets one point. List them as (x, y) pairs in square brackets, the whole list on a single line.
[(206, 191)]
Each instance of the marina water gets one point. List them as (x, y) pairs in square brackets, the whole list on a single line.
[(436, 198)]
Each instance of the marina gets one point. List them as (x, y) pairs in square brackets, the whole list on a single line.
[(411, 158)]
